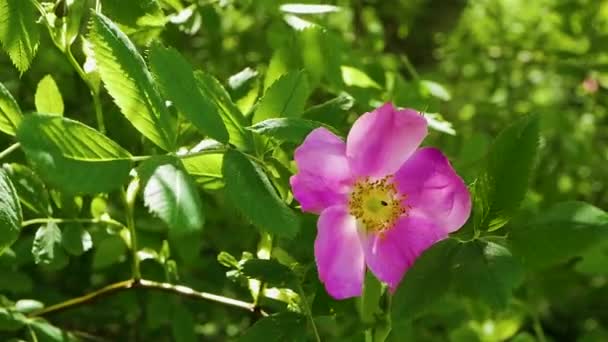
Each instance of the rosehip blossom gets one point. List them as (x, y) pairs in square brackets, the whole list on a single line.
[(382, 200)]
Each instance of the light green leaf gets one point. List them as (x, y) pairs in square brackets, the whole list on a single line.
[(48, 97), (234, 120), (286, 97), (503, 183), (354, 77), (435, 89), (176, 79), (10, 113), (558, 234), (45, 332), (30, 188), (286, 129), (170, 194), (10, 212), (249, 189), (206, 170), (72, 156), (19, 32), (47, 243), (130, 84), (308, 8)]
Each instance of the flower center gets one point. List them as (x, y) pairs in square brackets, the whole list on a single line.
[(376, 204)]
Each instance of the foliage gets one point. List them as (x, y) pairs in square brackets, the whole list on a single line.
[(147, 146)]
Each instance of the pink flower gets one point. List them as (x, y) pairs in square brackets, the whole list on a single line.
[(382, 200)]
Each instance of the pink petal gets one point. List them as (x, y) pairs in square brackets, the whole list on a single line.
[(433, 189), (324, 176), (391, 254), (339, 254), (380, 141)]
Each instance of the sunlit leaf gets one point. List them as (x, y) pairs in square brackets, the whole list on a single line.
[(286, 97), (10, 212), (10, 113), (30, 188), (48, 97), (19, 32), (47, 243), (308, 8), (286, 129)]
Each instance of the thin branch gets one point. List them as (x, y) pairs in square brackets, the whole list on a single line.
[(9, 150), (309, 313), (144, 284), (71, 220)]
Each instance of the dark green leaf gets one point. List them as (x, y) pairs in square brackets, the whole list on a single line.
[(30, 188), (109, 252), (286, 129), (11, 320), (234, 120), (76, 240), (286, 97), (270, 271), (10, 113), (48, 97), (19, 32), (503, 183), (45, 332), (10, 212), (170, 194), (129, 82), (564, 231), (277, 328), (176, 79), (47, 243), (250, 191), (72, 156), (182, 324)]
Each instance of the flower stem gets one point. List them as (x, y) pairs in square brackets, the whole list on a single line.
[(71, 220), (9, 150), (308, 313), (144, 284), (129, 198)]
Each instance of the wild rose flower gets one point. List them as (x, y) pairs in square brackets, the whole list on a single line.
[(382, 200)]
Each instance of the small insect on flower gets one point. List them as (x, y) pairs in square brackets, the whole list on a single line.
[(382, 200)]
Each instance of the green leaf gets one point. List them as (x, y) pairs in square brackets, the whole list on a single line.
[(28, 305), (10, 212), (130, 84), (182, 324), (108, 252), (19, 32), (249, 189), (286, 129), (76, 240), (270, 271), (354, 77), (426, 282), (206, 170), (503, 183), (277, 328), (47, 243), (45, 332), (72, 156), (10, 113), (176, 79), (286, 97), (142, 20), (170, 194), (11, 320), (308, 8), (30, 188), (558, 234), (48, 97), (234, 120)]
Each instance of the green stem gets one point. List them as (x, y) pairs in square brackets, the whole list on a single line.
[(143, 284), (129, 198), (410, 67), (308, 313), (71, 220), (9, 150)]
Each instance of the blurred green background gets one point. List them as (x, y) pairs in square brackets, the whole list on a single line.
[(477, 64)]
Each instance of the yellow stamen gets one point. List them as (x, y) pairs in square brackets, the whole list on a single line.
[(376, 204)]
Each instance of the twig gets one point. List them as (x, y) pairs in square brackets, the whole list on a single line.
[(9, 150), (309, 313), (144, 284), (70, 220)]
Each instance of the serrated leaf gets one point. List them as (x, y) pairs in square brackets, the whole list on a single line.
[(206, 170), (10, 113), (270, 271), (125, 76), (10, 212), (72, 156), (47, 242), (286, 97), (250, 190), (234, 120), (48, 97), (19, 32), (558, 234), (176, 79), (503, 183), (277, 328), (286, 129), (142, 20), (30, 188), (170, 194)]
